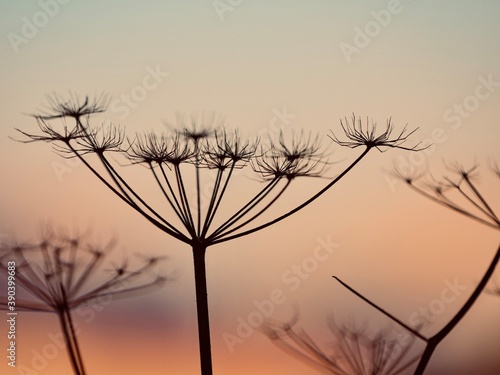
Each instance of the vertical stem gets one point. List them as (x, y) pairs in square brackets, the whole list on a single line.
[(202, 309), (72, 331), (198, 193), (70, 340), (426, 356), (438, 337)]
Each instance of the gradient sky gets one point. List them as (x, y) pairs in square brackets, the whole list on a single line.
[(258, 59)]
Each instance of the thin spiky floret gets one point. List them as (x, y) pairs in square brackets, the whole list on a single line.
[(197, 127), (73, 106), (458, 192), (162, 149), (460, 170), (358, 135), (150, 147), (99, 140), (495, 167), (61, 272), (301, 146), (274, 165), (49, 133), (353, 349), (302, 156), (227, 149)]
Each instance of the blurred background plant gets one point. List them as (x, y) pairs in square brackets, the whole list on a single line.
[(353, 350), (63, 273), (460, 193)]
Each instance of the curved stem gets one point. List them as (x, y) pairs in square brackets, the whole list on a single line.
[(264, 209), (298, 208), (452, 206), (198, 194), (116, 176), (438, 337), (174, 208), (246, 208), (184, 200), (476, 192), (215, 190), (179, 209), (130, 203), (390, 316)]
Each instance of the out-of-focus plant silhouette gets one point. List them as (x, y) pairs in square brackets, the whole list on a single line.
[(63, 273), (200, 143), (353, 351), (460, 193)]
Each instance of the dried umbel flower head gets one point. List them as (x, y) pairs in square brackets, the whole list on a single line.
[(61, 273), (106, 138), (457, 191), (73, 106), (300, 156), (197, 127), (228, 149), (358, 135), (352, 350)]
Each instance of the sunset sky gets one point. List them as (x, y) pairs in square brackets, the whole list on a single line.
[(264, 65)]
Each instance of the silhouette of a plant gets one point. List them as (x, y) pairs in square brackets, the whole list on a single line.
[(353, 351), (460, 193), (63, 273), (200, 143)]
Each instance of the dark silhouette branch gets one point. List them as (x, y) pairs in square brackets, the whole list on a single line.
[(387, 314)]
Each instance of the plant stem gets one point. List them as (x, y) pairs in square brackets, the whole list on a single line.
[(434, 341), (390, 316), (202, 308), (71, 343), (301, 206)]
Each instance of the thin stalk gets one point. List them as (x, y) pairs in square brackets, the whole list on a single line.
[(184, 200), (114, 175), (483, 201), (69, 344), (399, 322), (198, 193), (226, 182), (246, 208), (434, 341), (264, 209), (91, 266), (185, 220), (72, 331), (130, 203), (301, 206), (181, 218), (206, 224), (475, 204), (71, 264), (453, 207), (200, 276)]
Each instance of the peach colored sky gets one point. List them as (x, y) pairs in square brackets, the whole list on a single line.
[(252, 63)]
